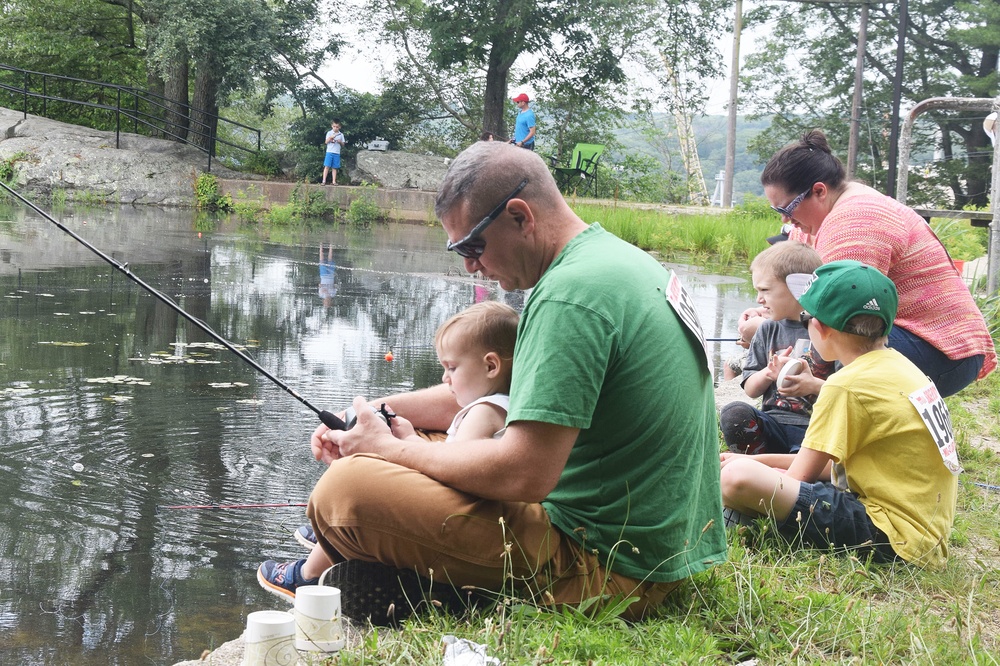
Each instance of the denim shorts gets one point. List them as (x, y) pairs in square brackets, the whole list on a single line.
[(948, 375), (825, 517)]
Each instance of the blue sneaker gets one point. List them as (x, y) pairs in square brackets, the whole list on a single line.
[(283, 579), (305, 536)]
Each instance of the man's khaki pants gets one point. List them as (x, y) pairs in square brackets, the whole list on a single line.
[(369, 509)]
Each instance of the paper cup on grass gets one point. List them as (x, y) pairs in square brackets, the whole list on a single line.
[(270, 639), (318, 627)]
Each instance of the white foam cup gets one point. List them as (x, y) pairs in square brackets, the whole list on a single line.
[(270, 639), (318, 625)]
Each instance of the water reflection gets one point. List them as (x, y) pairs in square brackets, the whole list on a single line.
[(95, 570)]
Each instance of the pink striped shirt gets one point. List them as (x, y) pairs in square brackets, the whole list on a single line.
[(934, 301)]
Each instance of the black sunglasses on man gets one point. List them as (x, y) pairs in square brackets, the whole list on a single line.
[(472, 246)]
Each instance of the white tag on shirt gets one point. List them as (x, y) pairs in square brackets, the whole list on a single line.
[(934, 413), (680, 301)]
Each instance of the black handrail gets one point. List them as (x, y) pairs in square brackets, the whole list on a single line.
[(128, 104)]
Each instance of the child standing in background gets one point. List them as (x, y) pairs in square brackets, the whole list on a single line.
[(334, 142)]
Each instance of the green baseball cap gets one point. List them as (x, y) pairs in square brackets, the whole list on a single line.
[(842, 289)]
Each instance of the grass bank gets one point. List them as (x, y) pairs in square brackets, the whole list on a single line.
[(773, 603), (731, 238)]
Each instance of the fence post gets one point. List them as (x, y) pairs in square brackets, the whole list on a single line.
[(118, 119), (45, 97), (993, 249), (25, 109)]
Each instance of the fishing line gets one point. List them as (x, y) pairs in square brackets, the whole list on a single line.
[(330, 419), (215, 507)]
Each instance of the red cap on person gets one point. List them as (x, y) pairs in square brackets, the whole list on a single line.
[(521, 98)]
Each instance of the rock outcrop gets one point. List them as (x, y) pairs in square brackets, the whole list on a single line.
[(402, 171), (84, 163)]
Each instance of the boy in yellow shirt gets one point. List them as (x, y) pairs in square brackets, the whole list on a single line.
[(879, 431)]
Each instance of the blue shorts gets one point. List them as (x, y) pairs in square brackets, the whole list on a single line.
[(332, 161), (825, 517), (949, 376)]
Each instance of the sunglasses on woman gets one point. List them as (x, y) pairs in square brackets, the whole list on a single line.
[(789, 210), (473, 246)]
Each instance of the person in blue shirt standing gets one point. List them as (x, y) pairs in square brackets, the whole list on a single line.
[(524, 126)]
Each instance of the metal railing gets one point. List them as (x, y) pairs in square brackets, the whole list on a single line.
[(148, 113)]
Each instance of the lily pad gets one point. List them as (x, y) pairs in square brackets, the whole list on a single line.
[(119, 379)]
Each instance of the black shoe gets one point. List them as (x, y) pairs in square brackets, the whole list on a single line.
[(385, 596)]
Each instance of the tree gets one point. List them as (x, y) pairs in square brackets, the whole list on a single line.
[(578, 44), (951, 50), (83, 39), (184, 49), (229, 44)]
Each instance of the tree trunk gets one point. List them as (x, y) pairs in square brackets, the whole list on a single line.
[(176, 92), (495, 94), (205, 106)]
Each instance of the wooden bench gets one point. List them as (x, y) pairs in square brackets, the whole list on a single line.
[(978, 218)]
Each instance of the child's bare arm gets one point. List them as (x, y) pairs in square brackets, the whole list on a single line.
[(481, 422), (810, 466), (760, 381)]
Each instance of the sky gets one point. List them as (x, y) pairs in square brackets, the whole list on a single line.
[(361, 65)]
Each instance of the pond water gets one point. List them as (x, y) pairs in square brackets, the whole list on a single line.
[(113, 408)]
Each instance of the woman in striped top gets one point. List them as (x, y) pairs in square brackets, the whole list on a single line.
[(938, 326)]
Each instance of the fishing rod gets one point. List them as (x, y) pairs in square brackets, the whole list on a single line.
[(722, 339), (330, 419)]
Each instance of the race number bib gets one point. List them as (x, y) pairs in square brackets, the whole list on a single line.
[(680, 301), (934, 413)]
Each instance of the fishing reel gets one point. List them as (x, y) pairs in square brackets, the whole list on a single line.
[(351, 416)]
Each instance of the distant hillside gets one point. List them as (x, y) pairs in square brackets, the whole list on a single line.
[(710, 135)]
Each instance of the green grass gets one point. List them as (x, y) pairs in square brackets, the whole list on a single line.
[(723, 239), (770, 601)]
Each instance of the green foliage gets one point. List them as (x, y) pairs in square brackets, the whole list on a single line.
[(8, 166), (84, 39), (804, 79), (638, 177), (309, 202), (962, 240), (91, 198), (363, 210), (206, 193), (249, 205), (263, 163), (281, 214), (58, 197)]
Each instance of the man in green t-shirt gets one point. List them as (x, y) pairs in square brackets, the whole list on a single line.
[(605, 482)]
